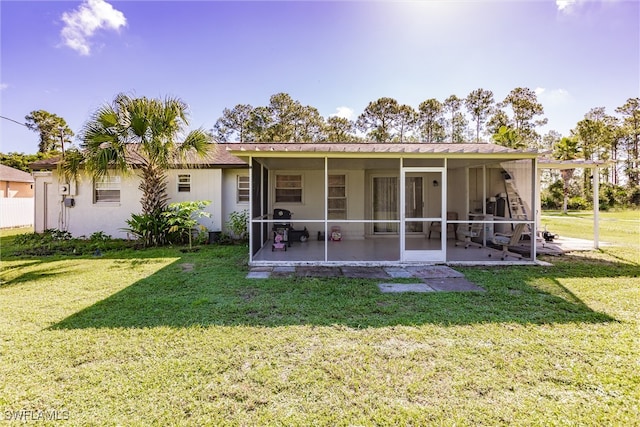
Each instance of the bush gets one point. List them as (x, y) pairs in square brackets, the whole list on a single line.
[(633, 196), (578, 203), (151, 229), (182, 219), (47, 236), (57, 242), (238, 224)]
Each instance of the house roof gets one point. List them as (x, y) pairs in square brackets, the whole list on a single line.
[(215, 156), (14, 175), (230, 154), (379, 149)]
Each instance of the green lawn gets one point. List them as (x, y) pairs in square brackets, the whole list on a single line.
[(162, 337)]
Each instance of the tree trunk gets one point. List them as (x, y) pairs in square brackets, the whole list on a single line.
[(154, 190), (567, 174)]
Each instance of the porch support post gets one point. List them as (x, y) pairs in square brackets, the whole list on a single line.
[(251, 210), (596, 207), (326, 209), (535, 191), (401, 208)]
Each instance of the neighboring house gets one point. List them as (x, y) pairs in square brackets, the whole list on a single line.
[(15, 183), (16, 193), (361, 203), (87, 205)]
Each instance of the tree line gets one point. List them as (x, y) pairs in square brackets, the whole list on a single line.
[(512, 122)]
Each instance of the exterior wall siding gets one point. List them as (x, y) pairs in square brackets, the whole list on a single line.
[(87, 217), (229, 194)]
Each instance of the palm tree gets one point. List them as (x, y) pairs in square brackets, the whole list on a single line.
[(566, 149), (141, 133)]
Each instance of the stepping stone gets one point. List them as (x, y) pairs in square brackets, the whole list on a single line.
[(453, 284), (433, 272), (364, 272), (318, 271), (259, 273), (397, 272), (404, 287), (187, 267)]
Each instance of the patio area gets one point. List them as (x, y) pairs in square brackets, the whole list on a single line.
[(386, 251)]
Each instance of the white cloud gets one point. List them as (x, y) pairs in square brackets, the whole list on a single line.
[(82, 23), (552, 96), (565, 5), (3, 86), (344, 112)]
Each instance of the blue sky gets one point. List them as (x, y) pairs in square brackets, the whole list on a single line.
[(71, 57)]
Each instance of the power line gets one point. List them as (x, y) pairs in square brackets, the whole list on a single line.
[(14, 121)]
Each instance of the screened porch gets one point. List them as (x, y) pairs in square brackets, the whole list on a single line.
[(348, 208)]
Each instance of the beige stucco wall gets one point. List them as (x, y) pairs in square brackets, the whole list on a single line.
[(16, 189), (229, 200), (313, 201), (87, 217)]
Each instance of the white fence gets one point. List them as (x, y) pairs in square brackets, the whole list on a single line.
[(16, 211)]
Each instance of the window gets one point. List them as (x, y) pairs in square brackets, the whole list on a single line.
[(337, 197), (184, 183), (107, 189), (243, 189), (288, 188)]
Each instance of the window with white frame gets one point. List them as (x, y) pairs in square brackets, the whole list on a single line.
[(242, 189), (106, 189), (288, 188), (184, 183), (337, 197)]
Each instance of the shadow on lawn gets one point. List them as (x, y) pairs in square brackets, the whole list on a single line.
[(215, 292)]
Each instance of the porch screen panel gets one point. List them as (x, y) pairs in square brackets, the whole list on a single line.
[(385, 204), (256, 207), (518, 185)]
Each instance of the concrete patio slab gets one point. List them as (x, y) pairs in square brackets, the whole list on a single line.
[(318, 271), (283, 271), (433, 272), (404, 287), (364, 272), (453, 284), (397, 272)]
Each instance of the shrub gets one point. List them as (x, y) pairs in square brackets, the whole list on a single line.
[(238, 224), (633, 196), (151, 229), (578, 203), (182, 219)]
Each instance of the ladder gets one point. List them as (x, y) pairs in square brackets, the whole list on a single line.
[(517, 209)]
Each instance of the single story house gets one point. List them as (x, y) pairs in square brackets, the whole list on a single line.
[(16, 195), (87, 205), (15, 183), (355, 203)]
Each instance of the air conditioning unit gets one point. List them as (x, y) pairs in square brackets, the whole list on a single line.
[(64, 189)]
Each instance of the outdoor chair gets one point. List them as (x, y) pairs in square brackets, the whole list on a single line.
[(506, 240), (437, 226), (469, 232)]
